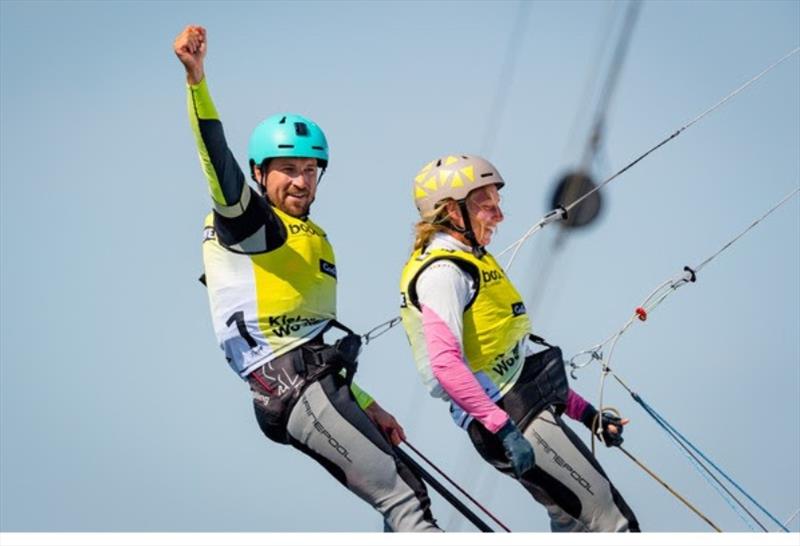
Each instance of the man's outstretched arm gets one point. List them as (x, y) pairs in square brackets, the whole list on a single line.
[(226, 181)]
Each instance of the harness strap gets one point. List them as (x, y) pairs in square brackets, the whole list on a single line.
[(326, 359), (539, 340)]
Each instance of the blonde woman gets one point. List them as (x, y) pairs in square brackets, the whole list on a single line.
[(472, 344)]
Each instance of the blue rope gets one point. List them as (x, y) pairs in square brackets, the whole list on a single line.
[(713, 482), (663, 422), (734, 503)]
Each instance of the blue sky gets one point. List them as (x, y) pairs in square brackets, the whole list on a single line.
[(117, 409)]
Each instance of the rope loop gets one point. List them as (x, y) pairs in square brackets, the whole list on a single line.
[(583, 359)]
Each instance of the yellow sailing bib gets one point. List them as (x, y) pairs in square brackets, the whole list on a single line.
[(264, 305), (495, 322)]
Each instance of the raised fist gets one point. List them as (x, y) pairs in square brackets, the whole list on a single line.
[(190, 47)]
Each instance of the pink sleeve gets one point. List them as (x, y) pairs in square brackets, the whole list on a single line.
[(575, 405), (447, 363)]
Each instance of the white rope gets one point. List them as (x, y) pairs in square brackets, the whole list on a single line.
[(741, 88), (689, 124), (558, 214), (653, 300), (751, 226), (788, 521)]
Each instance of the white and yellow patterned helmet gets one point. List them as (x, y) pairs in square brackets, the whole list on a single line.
[(452, 177)]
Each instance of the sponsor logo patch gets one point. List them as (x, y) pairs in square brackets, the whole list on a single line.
[(558, 460), (333, 442), (209, 234), (491, 275), (518, 309), (327, 268), (297, 229), (283, 325), (503, 364)]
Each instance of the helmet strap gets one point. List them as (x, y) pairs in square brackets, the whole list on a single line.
[(262, 184), (477, 250)]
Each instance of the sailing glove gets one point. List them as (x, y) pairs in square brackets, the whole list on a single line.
[(518, 450), (590, 419)]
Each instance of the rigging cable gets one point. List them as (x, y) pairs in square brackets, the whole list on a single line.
[(670, 489), (573, 184), (562, 211), (602, 41), (506, 77), (442, 490), (788, 521), (680, 438), (656, 297), (459, 488), (689, 274), (595, 353), (595, 137), (598, 434)]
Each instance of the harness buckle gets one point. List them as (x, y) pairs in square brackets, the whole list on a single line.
[(342, 355)]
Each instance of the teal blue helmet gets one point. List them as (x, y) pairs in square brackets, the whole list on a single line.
[(287, 135)]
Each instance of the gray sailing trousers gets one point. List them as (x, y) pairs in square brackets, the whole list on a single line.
[(567, 479), (328, 425)]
